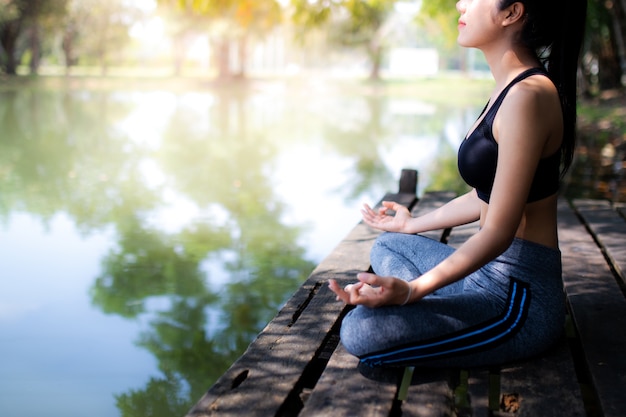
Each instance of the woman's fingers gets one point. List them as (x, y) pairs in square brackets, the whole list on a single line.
[(370, 279), (342, 294), (372, 290), (355, 293)]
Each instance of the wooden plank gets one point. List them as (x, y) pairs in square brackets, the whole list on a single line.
[(544, 386), (273, 364), (430, 394), (345, 392), (597, 307), (430, 202), (460, 234), (478, 392), (609, 229)]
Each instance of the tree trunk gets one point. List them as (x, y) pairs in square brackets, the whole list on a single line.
[(222, 57), (102, 58), (68, 48), (375, 53), (610, 73), (179, 55), (605, 73), (242, 53), (9, 32), (35, 49), (619, 32)]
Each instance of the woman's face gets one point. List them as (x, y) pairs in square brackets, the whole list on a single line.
[(480, 23)]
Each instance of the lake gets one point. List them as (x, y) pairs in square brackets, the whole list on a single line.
[(148, 234)]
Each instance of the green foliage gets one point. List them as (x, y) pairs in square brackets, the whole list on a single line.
[(361, 15), (160, 398), (243, 14), (229, 22), (352, 23), (21, 24), (440, 18), (9, 10)]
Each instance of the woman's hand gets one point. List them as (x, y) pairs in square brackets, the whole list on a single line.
[(373, 291), (383, 221)]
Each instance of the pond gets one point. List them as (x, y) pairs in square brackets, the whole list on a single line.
[(148, 234)]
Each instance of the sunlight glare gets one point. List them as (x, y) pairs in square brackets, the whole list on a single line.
[(151, 31)]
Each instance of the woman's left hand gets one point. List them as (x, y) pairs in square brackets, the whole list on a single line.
[(373, 291)]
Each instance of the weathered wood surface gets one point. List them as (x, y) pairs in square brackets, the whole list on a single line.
[(546, 386), (608, 229), (596, 300), (297, 366)]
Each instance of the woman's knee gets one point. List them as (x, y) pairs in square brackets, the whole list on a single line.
[(356, 331), (387, 255), (382, 243)]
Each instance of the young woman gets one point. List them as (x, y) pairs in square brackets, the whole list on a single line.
[(499, 297)]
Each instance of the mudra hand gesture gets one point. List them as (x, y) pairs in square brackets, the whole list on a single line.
[(383, 221), (373, 291)]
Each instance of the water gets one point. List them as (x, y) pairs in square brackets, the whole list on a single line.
[(147, 235)]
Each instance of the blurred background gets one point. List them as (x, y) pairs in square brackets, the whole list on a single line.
[(171, 171)]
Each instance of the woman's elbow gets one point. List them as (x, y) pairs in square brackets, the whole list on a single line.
[(500, 238)]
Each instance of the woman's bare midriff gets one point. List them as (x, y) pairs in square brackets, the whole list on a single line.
[(539, 222)]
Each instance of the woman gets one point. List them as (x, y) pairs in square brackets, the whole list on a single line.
[(499, 297)]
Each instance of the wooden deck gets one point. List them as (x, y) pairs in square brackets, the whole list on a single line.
[(297, 366)]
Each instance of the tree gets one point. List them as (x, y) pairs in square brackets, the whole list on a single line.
[(22, 25), (604, 55), (181, 24), (357, 23), (46, 19), (13, 14), (231, 22)]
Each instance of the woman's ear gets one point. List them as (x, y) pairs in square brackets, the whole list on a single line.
[(513, 14)]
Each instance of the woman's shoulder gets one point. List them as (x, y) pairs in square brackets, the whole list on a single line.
[(535, 90), (532, 109), (535, 97)]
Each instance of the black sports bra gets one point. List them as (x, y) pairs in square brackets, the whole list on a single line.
[(478, 155)]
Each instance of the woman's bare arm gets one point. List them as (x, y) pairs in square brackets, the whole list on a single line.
[(462, 210)]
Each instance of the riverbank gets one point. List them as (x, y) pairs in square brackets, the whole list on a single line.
[(466, 90)]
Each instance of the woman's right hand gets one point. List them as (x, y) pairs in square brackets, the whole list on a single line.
[(383, 221)]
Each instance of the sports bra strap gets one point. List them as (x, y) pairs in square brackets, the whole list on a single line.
[(491, 114)]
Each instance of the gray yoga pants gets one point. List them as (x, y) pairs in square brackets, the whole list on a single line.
[(512, 308)]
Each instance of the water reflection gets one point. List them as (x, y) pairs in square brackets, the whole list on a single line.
[(210, 208)]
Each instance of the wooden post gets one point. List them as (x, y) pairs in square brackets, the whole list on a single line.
[(408, 181)]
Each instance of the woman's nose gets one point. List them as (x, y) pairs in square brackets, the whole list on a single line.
[(460, 6)]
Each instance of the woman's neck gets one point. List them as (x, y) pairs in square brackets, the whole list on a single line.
[(506, 62)]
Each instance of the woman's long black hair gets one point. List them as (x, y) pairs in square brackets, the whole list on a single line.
[(554, 29)]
